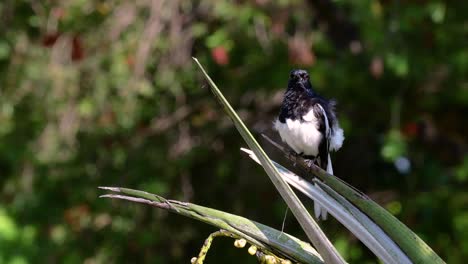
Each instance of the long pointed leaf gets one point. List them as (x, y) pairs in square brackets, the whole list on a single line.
[(273, 240)]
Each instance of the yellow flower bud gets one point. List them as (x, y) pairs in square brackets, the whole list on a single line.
[(240, 243), (252, 250)]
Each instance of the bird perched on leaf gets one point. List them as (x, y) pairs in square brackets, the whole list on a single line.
[(308, 124)]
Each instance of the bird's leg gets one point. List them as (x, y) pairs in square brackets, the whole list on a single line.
[(309, 160)]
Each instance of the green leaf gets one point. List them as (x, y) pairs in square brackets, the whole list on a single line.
[(255, 233), (398, 64), (4, 50)]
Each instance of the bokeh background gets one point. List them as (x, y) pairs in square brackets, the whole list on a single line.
[(99, 93)]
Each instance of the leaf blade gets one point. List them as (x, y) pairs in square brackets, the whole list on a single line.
[(256, 233)]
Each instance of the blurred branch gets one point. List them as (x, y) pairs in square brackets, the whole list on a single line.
[(122, 17), (271, 241), (161, 124), (152, 28)]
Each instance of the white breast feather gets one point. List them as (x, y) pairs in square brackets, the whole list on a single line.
[(302, 137)]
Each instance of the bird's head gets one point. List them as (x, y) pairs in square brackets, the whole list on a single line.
[(299, 79)]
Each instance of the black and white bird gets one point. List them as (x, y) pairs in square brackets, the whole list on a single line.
[(308, 124)]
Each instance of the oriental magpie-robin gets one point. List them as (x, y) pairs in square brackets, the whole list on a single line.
[(308, 124)]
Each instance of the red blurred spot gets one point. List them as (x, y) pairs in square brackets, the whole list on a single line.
[(410, 129), (77, 52), (220, 55), (50, 39), (130, 60)]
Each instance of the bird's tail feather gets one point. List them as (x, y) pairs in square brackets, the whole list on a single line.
[(320, 212), (329, 165), (317, 208)]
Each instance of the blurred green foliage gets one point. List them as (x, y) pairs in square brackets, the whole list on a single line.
[(104, 93)]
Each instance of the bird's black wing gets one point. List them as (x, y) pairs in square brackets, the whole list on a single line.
[(323, 123)]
